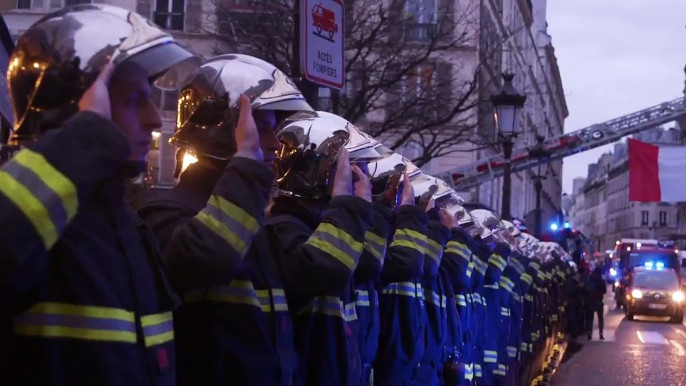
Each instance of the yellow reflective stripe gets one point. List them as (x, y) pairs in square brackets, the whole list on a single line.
[(434, 298), (241, 292), (56, 181), (404, 289), (497, 261), (158, 328), (470, 269), (277, 296), (504, 311), (61, 320), (435, 251), (459, 249), (526, 278), (490, 356), (88, 311), (410, 239), (330, 306), (235, 212), (479, 264), (461, 300), (477, 298), (230, 222), (40, 192), (362, 298), (337, 243), (374, 244)]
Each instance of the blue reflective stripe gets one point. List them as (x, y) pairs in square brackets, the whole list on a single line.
[(404, 288), (158, 328), (330, 306), (47, 198), (62, 320)]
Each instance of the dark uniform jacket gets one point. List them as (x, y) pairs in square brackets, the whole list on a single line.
[(83, 294), (403, 317), (319, 255), (440, 317), (235, 331)]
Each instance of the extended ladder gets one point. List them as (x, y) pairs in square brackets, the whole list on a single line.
[(468, 176)]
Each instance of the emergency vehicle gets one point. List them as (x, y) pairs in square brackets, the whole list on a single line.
[(648, 253)]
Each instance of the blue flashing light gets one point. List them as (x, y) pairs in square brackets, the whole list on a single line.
[(553, 227), (660, 265), (568, 225), (649, 264), (613, 272)]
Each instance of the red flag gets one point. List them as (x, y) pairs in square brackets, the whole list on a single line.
[(656, 174)]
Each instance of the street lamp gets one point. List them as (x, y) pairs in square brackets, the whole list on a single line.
[(539, 153), (507, 103)]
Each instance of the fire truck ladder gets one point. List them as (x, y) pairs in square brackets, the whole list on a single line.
[(468, 176)]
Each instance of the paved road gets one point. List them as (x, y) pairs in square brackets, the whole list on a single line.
[(645, 352)]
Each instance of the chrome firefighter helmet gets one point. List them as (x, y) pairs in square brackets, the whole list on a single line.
[(60, 56), (392, 165), (488, 221), (425, 188), (207, 105), (309, 149)]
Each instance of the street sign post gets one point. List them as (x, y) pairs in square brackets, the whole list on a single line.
[(322, 37)]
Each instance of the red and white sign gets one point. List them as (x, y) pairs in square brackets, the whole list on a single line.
[(656, 174), (322, 37)]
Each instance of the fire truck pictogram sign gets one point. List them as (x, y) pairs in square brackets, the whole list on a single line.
[(322, 36)]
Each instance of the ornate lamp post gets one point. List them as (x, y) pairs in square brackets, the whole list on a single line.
[(507, 104)]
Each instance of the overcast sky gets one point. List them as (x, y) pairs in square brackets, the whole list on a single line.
[(616, 57)]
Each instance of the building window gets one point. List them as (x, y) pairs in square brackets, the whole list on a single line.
[(416, 83), (165, 100), (169, 14), (75, 2), (663, 218), (644, 217), (420, 16), (23, 4)]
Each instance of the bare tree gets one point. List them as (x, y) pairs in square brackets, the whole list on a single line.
[(407, 78)]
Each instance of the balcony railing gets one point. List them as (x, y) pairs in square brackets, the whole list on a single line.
[(421, 32)]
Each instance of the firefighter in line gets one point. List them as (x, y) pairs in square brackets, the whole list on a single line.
[(479, 257), (401, 302), (518, 287), (232, 332), (385, 181), (399, 260), (84, 291), (321, 222), (436, 291), (458, 266)]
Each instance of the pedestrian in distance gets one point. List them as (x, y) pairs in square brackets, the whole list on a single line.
[(595, 291)]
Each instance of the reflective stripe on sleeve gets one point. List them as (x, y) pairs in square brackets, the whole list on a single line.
[(158, 328), (459, 249), (241, 292), (337, 243), (46, 197), (375, 244), (330, 306), (435, 251), (410, 239), (497, 261), (61, 320), (404, 289), (229, 222)]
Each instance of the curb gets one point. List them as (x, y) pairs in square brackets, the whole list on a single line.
[(551, 364)]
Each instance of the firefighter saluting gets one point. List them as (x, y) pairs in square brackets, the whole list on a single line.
[(84, 296), (235, 330)]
